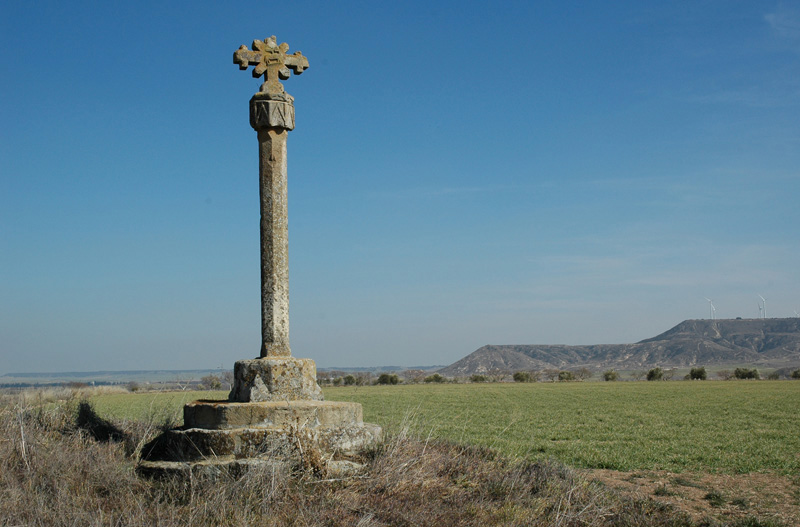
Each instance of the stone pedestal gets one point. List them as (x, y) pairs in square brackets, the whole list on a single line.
[(225, 436), (275, 379)]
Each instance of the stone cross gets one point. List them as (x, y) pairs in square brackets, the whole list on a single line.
[(272, 116), (270, 60)]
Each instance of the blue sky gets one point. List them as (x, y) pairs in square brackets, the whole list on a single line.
[(461, 173)]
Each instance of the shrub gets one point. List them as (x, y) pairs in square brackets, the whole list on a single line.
[(655, 374), (434, 378), (566, 376), (478, 378), (796, 374), (522, 376), (388, 378), (211, 382), (638, 375), (337, 381), (610, 375), (349, 380), (698, 374), (745, 373)]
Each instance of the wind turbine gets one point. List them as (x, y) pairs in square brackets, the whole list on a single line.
[(764, 311), (712, 309)]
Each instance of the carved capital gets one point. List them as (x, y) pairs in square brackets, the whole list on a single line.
[(271, 112)]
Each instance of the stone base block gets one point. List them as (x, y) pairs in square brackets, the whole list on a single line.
[(215, 415), (275, 379), (197, 445)]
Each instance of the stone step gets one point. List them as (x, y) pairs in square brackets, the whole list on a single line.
[(279, 443), (218, 415)]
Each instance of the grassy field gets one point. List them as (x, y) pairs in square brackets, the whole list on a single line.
[(727, 427)]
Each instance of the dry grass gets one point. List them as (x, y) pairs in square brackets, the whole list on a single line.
[(54, 472)]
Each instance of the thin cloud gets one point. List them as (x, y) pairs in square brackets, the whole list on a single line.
[(785, 23)]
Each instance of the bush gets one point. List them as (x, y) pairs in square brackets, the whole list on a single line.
[(655, 374), (388, 378), (796, 374), (478, 378), (698, 374), (434, 378), (211, 382), (566, 376), (638, 375), (610, 375), (349, 380), (522, 376), (745, 373)]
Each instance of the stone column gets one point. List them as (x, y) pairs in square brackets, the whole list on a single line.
[(276, 375), (272, 116)]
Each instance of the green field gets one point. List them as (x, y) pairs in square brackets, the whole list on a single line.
[(729, 427)]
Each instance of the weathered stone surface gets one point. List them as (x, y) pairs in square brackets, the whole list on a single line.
[(280, 443), (270, 60), (275, 379), (271, 111), (214, 415), (274, 243), (275, 416)]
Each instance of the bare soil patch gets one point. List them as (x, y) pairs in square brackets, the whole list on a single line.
[(724, 497)]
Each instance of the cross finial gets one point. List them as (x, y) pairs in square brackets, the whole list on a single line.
[(270, 60)]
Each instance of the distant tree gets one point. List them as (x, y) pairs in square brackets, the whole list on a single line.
[(413, 376), (551, 374), (610, 375), (583, 373), (698, 374), (655, 374), (796, 374), (337, 381), (434, 378), (498, 374), (133, 386), (536, 375), (388, 378), (364, 378), (522, 376), (725, 375), (227, 378), (478, 378), (638, 375), (211, 382), (566, 376), (773, 376), (745, 373), (349, 380)]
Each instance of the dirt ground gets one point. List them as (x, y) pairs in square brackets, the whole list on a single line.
[(723, 497)]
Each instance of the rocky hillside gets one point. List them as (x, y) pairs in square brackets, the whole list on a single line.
[(772, 342)]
